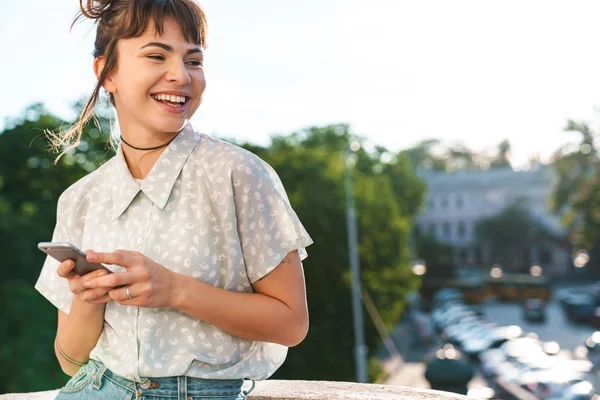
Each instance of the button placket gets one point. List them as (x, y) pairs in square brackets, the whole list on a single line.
[(141, 246)]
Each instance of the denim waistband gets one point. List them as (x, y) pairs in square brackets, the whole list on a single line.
[(176, 386)]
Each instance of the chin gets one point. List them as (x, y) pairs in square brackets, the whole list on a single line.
[(174, 125)]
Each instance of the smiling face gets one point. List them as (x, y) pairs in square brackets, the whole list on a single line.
[(157, 85)]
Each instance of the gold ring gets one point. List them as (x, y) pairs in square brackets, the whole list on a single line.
[(127, 291)]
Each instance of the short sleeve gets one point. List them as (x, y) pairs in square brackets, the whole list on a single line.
[(49, 284), (267, 225)]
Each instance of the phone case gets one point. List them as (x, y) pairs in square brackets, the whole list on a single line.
[(62, 251)]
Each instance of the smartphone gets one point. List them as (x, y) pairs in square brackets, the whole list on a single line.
[(62, 251)]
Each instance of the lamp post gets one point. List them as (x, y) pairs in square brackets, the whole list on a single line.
[(360, 349)]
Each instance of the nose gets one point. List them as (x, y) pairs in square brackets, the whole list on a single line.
[(178, 73)]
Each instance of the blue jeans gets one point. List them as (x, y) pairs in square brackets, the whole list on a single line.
[(95, 381)]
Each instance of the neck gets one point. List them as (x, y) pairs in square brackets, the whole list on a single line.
[(140, 158), (148, 143), (146, 148)]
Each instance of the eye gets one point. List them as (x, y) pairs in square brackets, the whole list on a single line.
[(195, 63), (156, 57)]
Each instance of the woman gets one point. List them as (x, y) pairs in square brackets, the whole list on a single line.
[(208, 288)]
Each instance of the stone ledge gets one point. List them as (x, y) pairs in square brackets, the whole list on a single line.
[(307, 390)]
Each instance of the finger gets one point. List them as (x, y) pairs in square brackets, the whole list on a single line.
[(95, 274), (112, 280), (123, 258), (79, 284), (93, 294), (120, 296), (66, 268)]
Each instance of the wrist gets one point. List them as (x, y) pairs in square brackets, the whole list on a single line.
[(86, 307), (178, 291)]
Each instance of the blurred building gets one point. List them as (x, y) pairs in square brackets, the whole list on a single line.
[(456, 201)]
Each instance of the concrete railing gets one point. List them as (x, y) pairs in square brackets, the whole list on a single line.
[(307, 390)]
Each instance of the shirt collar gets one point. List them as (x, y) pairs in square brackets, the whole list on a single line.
[(159, 183)]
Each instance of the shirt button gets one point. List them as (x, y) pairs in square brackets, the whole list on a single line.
[(130, 333), (140, 240)]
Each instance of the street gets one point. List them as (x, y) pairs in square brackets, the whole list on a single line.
[(557, 327)]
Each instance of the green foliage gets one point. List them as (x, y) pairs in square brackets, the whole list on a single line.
[(30, 185), (503, 157), (433, 155), (311, 166), (576, 194), (438, 259), (27, 362), (510, 235)]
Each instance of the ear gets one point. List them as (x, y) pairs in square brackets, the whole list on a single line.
[(99, 63)]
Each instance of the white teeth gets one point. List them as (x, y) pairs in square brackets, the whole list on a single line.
[(169, 97)]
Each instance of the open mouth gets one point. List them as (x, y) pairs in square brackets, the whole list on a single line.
[(170, 100)]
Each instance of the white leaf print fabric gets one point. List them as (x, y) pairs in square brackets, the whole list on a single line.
[(209, 210)]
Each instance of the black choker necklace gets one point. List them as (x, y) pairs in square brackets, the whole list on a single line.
[(147, 148)]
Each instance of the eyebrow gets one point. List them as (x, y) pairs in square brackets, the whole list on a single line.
[(170, 48)]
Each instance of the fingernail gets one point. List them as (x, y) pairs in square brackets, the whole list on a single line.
[(91, 257), (87, 283)]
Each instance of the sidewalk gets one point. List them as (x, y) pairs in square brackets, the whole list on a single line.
[(413, 375), (410, 369)]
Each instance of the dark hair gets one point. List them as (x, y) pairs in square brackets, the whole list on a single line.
[(124, 19)]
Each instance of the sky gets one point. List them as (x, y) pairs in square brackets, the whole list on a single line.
[(475, 72)]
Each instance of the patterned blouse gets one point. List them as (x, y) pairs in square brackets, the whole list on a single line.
[(209, 210)]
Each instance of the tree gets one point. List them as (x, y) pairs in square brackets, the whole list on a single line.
[(576, 193), (502, 159), (311, 166), (510, 235), (433, 155), (388, 194), (30, 185), (438, 258), (423, 156)]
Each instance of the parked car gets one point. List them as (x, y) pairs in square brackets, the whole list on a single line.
[(579, 307), (594, 319), (505, 359), (592, 345), (583, 390), (475, 347), (534, 310), (491, 338), (551, 382)]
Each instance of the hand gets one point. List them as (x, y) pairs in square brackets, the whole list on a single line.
[(150, 284), (76, 283)]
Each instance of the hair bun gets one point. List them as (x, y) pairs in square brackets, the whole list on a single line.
[(95, 9)]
